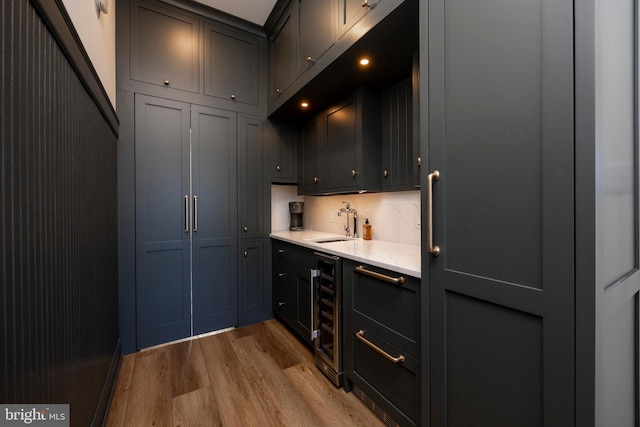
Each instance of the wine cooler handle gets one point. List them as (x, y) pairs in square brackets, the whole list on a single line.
[(312, 279)]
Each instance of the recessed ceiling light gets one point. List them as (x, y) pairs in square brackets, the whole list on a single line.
[(364, 61), (304, 104)]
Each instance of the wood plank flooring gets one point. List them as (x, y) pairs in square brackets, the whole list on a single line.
[(258, 375)]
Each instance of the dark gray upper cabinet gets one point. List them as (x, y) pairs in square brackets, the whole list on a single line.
[(399, 162), (316, 30), (155, 32), (283, 168), (251, 188), (341, 148), (351, 11), (231, 65), (283, 47), (311, 155)]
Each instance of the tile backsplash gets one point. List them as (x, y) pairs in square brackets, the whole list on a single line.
[(395, 217)]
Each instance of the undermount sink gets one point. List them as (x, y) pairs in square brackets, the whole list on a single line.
[(332, 239)]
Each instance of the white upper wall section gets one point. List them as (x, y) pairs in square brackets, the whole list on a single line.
[(97, 32), (256, 11)]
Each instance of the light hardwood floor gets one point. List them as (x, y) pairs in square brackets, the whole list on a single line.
[(257, 375)]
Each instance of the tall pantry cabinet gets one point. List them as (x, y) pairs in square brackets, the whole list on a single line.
[(530, 121), (191, 100)]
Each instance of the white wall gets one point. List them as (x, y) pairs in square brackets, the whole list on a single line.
[(97, 32), (395, 217)]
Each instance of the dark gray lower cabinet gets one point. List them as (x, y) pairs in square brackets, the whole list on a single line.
[(291, 279), (381, 340), (253, 296)]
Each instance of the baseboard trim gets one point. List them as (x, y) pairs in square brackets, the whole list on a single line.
[(104, 403)]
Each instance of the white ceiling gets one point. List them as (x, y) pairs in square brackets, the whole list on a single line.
[(256, 11)]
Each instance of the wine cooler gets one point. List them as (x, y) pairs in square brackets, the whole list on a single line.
[(326, 308)]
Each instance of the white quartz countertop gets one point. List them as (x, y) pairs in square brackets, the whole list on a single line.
[(399, 257)]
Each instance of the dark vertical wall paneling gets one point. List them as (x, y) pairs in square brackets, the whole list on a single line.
[(58, 230)]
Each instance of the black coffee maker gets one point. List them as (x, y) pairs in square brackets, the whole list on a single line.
[(295, 210)]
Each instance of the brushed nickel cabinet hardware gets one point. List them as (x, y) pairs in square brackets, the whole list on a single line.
[(246, 254), (245, 229), (195, 214), (419, 160), (310, 60), (167, 82), (278, 168), (232, 97), (278, 91), (399, 359), (394, 280), (386, 174), (433, 176), (315, 179), (281, 251), (282, 274), (365, 3), (281, 303), (354, 172), (186, 214)]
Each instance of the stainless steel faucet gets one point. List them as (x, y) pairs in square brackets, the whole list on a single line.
[(349, 210)]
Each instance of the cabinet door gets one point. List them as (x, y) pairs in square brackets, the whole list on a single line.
[(501, 297), (165, 47), (397, 137), (283, 44), (162, 220), (231, 65), (311, 150), (214, 183), (255, 300), (317, 22), (304, 262), (252, 186), (350, 12), (343, 142), (284, 150)]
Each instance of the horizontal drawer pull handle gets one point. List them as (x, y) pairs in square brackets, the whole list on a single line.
[(360, 336), (395, 280), (282, 274)]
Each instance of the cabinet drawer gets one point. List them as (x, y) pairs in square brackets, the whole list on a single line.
[(391, 310), (281, 250), (282, 276), (393, 386), (283, 305)]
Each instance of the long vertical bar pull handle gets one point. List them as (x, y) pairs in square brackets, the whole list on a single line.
[(186, 214), (312, 278), (195, 214), (433, 176)]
